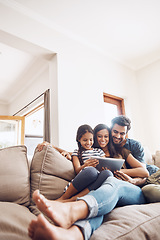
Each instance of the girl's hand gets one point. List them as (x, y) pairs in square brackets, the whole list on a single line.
[(40, 145), (91, 162), (66, 154), (104, 168)]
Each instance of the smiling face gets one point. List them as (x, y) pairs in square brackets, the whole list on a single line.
[(118, 133), (103, 138), (86, 140)]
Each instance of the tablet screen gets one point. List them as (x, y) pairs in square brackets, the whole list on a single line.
[(112, 164)]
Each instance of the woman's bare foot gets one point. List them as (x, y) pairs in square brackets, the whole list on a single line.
[(41, 229), (32, 227), (62, 214)]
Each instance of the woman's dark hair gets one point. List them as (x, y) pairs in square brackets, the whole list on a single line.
[(111, 148), (80, 132)]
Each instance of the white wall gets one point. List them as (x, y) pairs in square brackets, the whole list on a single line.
[(82, 76), (149, 98), (38, 85), (3, 109)]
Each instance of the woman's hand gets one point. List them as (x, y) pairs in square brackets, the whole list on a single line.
[(122, 176), (40, 145), (66, 154), (136, 181)]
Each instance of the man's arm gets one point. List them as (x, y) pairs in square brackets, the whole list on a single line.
[(137, 169), (63, 152)]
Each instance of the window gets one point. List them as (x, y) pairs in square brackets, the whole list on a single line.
[(34, 123), (113, 106), (11, 131)]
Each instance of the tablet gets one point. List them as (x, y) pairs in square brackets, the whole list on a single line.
[(112, 164)]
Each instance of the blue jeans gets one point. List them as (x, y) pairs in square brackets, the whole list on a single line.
[(113, 193)]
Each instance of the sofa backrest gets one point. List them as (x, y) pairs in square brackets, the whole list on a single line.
[(14, 175)]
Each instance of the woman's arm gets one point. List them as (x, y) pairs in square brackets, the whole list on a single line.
[(138, 169)]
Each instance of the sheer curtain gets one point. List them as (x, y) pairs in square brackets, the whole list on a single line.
[(47, 128)]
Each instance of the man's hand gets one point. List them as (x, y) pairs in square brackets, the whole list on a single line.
[(66, 154), (40, 145)]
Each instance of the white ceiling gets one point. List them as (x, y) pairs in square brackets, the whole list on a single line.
[(126, 30), (13, 63)]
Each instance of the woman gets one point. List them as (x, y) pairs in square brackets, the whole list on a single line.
[(103, 140)]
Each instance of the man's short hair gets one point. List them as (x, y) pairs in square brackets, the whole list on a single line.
[(121, 121)]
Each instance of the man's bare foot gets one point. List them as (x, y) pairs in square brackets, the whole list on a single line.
[(62, 214), (41, 229)]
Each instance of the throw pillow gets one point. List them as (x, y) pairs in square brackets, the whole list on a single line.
[(50, 173), (152, 193)]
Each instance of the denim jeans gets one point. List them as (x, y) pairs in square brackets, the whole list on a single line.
[(111, 194)]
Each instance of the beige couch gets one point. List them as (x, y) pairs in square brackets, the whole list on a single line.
[(50, 172)]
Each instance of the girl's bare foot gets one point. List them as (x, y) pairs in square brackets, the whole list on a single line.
[(62, 214), (43, 230)]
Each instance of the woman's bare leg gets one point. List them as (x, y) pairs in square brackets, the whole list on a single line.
[(62, 214), (41, 229)]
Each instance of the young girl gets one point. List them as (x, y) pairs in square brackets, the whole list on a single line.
[(85, 168)]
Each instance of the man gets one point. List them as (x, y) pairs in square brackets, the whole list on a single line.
[(119, 128)]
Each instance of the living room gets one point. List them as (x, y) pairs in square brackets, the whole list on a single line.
[(78, 72)]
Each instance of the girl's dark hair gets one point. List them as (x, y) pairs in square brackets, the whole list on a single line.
[(80, 132), (111, 147)]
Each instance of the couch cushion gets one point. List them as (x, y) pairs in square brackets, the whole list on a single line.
[(14, 221), (14, 175), (50, 173), (138, 222)]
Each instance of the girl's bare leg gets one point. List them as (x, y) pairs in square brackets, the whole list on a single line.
[(41, 229), (80, 194), (69, 193), (62, 214)]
